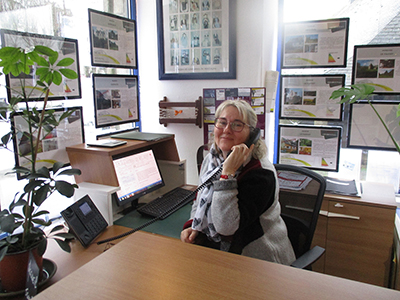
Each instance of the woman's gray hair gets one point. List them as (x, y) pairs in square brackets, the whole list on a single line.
[(249, 117)]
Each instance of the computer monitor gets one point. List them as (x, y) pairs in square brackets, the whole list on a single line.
[(138, 174)]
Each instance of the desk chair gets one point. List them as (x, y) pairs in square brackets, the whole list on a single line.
[(201, 152), (300, 211)]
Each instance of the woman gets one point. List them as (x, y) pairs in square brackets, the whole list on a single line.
[(239, 212)]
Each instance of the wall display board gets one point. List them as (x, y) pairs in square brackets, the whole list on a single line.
[(315, 44), (212, 98), (68, 89), (116, 99), (52, 149), (313, 147), (366, 130), (379, 66), (307, 97), (196, 39), (112, 40)]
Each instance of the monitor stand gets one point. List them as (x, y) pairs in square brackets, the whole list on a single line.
[(134, 206)]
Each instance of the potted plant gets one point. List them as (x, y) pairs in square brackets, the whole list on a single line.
[(363, 91), (23, 222)]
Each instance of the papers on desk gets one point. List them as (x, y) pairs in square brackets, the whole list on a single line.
[(342, 187), (292, 181)]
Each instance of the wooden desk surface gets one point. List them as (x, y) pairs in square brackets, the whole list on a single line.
[(149, 266)]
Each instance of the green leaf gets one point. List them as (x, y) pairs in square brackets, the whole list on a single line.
[(57, 166), (65, 235), (42, 72), (41, 222), (7, 224), (32, 185), (45, 50), (65, 188), (57, 78), (57, 228), (41, 61), (44, 172), (71, 172), (70, 74), (41, 213), (41, 194), (53, 58), (65, 62), (64, 245)]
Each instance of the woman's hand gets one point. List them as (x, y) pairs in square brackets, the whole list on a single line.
[(236, 158), (189, 235)]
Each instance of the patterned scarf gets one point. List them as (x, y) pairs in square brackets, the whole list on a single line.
[(202, 220)]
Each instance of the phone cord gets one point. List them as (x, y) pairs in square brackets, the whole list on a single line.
[(177, 206)]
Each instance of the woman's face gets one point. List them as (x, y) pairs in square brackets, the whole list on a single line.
[(227, 138)]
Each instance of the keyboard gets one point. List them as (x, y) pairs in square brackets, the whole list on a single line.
[(167, 204)]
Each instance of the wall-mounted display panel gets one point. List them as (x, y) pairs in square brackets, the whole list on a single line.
[(116, 99), (196, 39), (313, 147), (366, 130), (307, 97), (379, 66), (112, 40), (69, 132), (315, 44), (68, 89)]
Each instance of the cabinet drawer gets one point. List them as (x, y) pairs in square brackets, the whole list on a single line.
[(359, 242)]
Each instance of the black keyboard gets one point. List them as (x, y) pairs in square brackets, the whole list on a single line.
[(167, 204)]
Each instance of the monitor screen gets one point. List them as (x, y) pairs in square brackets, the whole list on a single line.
[(138, 174)]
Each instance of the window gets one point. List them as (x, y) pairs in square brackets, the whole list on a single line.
[(68, 18), (370, 23)]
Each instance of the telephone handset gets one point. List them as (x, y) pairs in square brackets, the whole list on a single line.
[(253, 137)]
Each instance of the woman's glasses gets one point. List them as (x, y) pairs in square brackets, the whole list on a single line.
[(236, 125)]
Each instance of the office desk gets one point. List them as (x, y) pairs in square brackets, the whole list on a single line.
[(149, 266)]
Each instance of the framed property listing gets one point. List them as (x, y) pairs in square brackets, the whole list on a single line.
[(307, 97), (379, 66), (313, 147), (196, 39), (69, 132), (315, 44), (68, 89), (112, 40), (116, 99), (366, 130)]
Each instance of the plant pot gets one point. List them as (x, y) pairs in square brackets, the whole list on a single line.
[(13, 270)]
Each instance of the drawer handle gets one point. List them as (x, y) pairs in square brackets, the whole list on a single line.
[(339, 205), (335, 215)]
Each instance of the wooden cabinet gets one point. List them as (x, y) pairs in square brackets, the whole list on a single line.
[(96, 162), (357, 234)]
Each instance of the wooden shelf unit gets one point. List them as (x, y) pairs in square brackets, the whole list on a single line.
[(96, 162)]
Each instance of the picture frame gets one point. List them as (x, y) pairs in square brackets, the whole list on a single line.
[(196, 39), (116, 99), (66, 47), (315, 44), (379, 66), (313, 147), (113, 40), (366, 131), (306, 97), (53, 147)]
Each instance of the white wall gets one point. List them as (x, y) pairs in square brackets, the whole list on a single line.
[(256, 53)]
